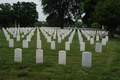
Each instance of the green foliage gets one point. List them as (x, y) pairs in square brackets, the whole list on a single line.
[(23, 13), (107, 12), (60, 11), (6, 15), (38, 24), (87, 8), (79, 24), (26, 14), (95, 25)]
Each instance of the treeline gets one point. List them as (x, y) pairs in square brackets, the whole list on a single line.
[(21, 14)]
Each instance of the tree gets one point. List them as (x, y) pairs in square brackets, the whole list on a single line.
[(95, 25), (38, 24), (6, 15), (107, 12), (26, 14), (60, 11), (87, 7)]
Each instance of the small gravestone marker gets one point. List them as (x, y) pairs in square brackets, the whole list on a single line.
[(82, 46), (38, 43), (86, 59), (8, 37), (103, 41), (67, 45), (39, 56), (98, 47), (59, 39), (11, 43), (25, 44), (106, 38), (88, 38), (92, 41), (97, 38), (49, 39), (18, 37), (62, 57), (18, 55), (53, 45), (22, 36)]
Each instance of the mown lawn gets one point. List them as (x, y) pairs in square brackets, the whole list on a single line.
[(105, 65)]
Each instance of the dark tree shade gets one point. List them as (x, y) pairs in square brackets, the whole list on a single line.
[(26, 14), (60, 11), (107, 12), (6, 15)]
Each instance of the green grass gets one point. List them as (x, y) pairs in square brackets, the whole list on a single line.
[(105, 65)]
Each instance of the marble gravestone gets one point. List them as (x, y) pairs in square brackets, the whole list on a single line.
[(22, 36), (53, 45), (86, 59), (25, 44), (98, 47), (82, 46), (62, 57), (91, 40), (59, 39), (88, 38), (11, 43), (39, 44), (67, 45), (18, 55), (97, 38), (39, 56), (18, 37), (106, 38), (49, 39), (103, 41)]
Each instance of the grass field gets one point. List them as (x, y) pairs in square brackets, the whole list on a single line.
[(105, 65)]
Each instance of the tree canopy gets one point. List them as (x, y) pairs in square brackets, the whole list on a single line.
[(6, 15), (107, 12), (104, 12), (26, 14), (21, 13), (60, 11)]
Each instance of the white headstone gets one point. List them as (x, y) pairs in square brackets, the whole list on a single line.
[(106, 38), (18, 55), (82, 46), (98, 47), (91, 40), (86, 59), (8, 37), (103, 41), (25, 44), (22, 36), (59, 39), (97, 38), (88, 38), (39, 44), (53, 45), (67, 45), (11, 43), (39, 56), (18, 37), (49, 39), (62, 57)]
